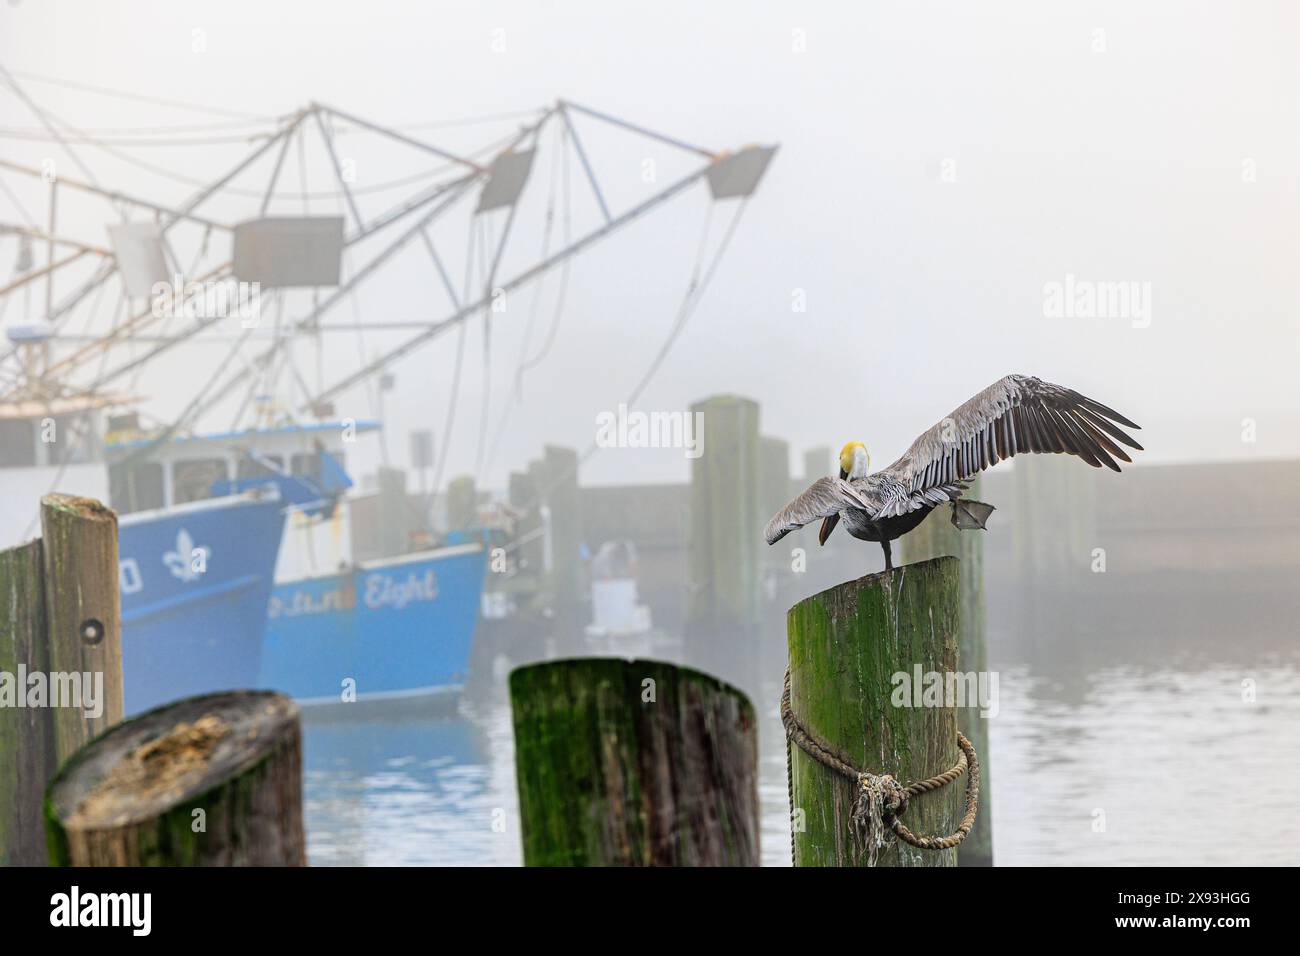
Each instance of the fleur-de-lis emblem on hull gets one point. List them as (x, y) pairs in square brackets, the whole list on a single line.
[(181, 561)]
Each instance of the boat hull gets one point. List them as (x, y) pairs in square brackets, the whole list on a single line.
[(400, 628), (195, 584)]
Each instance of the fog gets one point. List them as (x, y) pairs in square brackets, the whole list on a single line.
[(938, 167)]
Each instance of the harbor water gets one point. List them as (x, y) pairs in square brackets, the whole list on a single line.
[(1130, 766)]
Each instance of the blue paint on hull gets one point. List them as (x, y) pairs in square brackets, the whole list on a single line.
[(398, 627), (195, 584)]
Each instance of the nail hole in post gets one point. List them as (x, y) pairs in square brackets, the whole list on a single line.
[(92, 631)]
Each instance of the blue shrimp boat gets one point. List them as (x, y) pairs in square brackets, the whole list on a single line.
[(195, 582), (195, 571), (397, 626), (393, 628)]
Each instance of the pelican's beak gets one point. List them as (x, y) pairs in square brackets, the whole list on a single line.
[(828, 525), (843, 474)]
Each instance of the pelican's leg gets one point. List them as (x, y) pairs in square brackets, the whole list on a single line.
[(889, 564)]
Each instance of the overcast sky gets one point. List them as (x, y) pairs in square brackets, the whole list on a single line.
[(939, 169)]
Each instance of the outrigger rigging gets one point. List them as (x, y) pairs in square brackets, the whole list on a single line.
[(50, 360)]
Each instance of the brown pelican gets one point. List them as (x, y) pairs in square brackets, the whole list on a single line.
[(1014, 415)]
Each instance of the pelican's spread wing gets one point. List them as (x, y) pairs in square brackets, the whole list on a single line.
[(1014, 415), (896, 498), (824, 497)]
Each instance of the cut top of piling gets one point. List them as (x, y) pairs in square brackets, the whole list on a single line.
[(634, 763), (169, 756), (90, 508)]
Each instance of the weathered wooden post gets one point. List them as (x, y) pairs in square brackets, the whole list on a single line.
[(206, 781), (773, 474), (394, 511), (723, 553), (817, 462), (935, 537), (552, 483), (634, 763), (561, 468), (858, 652), (524, 498), (462, 503), (60, 637)]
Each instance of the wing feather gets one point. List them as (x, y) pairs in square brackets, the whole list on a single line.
[(1015, 415), (823, 498)]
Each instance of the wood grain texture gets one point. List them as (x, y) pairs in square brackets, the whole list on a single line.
[(936, 537), (846, 644), (128, 799), (27, 758), (609, 778), (723, 547), (60, 622), (79, 552)]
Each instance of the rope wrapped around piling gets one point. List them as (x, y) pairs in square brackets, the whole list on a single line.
[(881, 799)]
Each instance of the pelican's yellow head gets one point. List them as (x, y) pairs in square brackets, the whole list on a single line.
[(854, 460)]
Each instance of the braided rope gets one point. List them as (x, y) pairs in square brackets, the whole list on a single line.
[(881, 798)]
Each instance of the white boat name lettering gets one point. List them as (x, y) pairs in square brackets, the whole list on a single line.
[(300, 602), (128, 576), (385, 591)]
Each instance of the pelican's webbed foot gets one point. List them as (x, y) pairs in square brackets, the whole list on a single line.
[(970, 515)]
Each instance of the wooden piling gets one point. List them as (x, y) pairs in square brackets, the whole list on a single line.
[(462, 503), (935, 537), (83, 611), (530, 549), (552, 483), (60, 618), (854, 650), (394, 516), (773, 474), (634, 763), (561, 487), (214, 780), (723, 548), (817, 463)]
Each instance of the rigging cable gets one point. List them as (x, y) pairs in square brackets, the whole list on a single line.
[(689, 303), (441, 464), (422, 176), (157, 101), (488, 276), (248, 119), (526, 363), (489, 300), (48, 119), (71, 447), (545, 254), (45, 116), (373, 387), (168, 432), (22, 210), (545, 350)]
